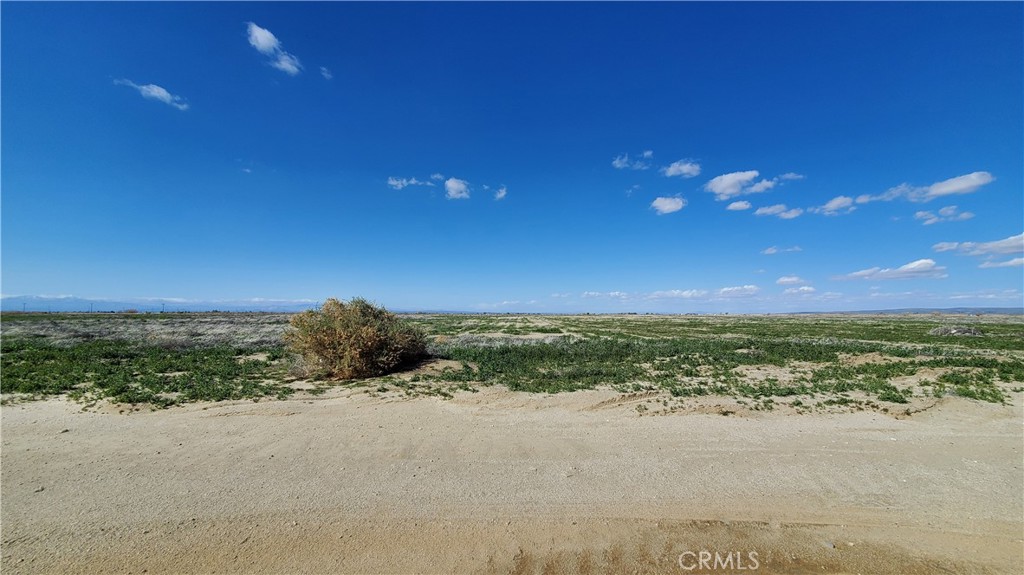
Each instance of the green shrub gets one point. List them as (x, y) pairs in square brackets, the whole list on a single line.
[(355, 339)]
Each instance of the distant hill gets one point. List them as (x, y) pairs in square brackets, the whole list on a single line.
[(78, 304)]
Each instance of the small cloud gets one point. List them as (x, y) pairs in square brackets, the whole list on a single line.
[(610, 294), (1010, 245), (790, 280), (399, 183), (1015, 262), (742, 183), (668, 205), (684, 168), (738, 291), (965, 184), (740, 205), (835, 206), (456, 189), (920, 269), (154, 92), (780, 211), (633, 188), (624, 162), (561, 295), (729, 185), (267, 44), (946, 214), (501, 193), (762, 186), (802, 290), (436, 176), (774, 250), (326, 73), (675, 293)]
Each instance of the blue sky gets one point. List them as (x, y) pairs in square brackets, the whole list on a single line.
[(670, 157)]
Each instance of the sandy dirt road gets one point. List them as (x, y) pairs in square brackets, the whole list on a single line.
[(501, 482)]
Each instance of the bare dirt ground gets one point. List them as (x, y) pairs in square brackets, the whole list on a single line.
[(501, 482)]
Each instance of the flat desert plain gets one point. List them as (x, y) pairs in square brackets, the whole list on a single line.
[(363, 478)]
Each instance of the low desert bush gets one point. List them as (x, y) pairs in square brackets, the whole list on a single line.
[(354, 340)]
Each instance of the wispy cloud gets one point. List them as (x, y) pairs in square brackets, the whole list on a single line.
[(399, 183), (775, 250), (456, 189), (668, 205), (267, 44), (835, 206), (501, 193), (791, 176), (609, 294), (680, 294), (436, 176), (965, 184), (802, 290), (946, 214), (1010, 245), (790, 280), (327, 74), (1015, 262), (779, 210), (740, 205), (154, 92), (738, 291), (624, 162), (920, 269), (684, 168)]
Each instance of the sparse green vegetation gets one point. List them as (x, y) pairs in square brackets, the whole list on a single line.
[(764, 363)]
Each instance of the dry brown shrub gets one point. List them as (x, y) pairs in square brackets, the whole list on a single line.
[(354, 340)]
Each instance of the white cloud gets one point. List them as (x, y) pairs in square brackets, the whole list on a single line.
[(624, 162), (780, 211), (501, 193), (790, 280), (762, 186), (263, 40), (741, 205), (611, 294), (154, 92), (326, 73), (668, 205), (738, 291), (684, 168), (267, 44), (774, 250), (965, 184), (456, 189), (436, 176), (399, 183), (675, 293), (946, 214), (561, 295), (835, 206), (730, 185), (1015, 262), (742, 183), (1010, 245), (920, 269), (802, 290)]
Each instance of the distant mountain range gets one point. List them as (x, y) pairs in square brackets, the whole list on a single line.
[(78, 304)]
